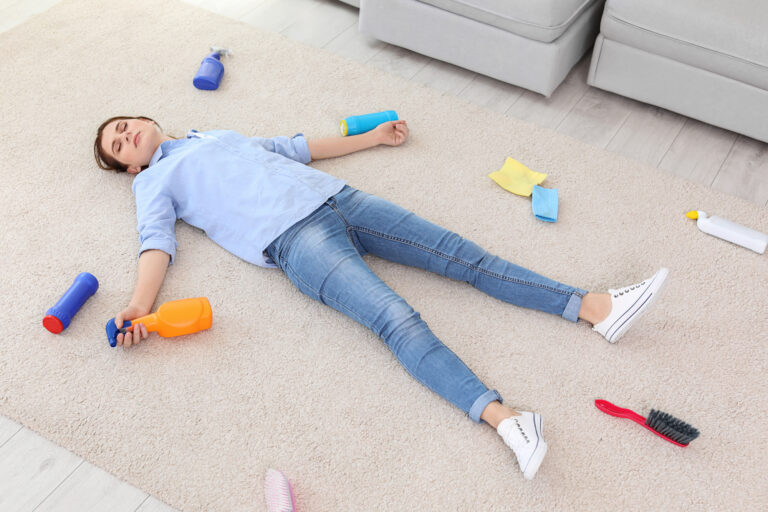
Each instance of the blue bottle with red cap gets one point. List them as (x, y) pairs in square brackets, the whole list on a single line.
[(59, 316)]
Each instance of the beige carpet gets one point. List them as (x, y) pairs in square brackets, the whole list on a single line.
[(282, 381)]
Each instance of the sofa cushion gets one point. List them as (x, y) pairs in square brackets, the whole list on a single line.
[(725, 37), (541, 20)]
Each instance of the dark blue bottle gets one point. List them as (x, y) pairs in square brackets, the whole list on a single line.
[(209, 75), (59, 316)]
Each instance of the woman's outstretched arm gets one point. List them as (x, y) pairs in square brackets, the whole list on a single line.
[(392, 133), (153, 265)]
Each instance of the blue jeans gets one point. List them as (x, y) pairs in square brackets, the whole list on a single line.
[(322, 256)]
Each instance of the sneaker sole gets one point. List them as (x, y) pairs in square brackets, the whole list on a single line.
[(640, 307), (532, 466)]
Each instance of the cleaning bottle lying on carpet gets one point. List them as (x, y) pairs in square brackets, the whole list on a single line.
[(174, 318), (211, 70), (730, 231), (355, 125), (660, 423), (59, 316)]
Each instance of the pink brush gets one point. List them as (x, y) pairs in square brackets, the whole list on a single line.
[(660, 423), (278, 492)]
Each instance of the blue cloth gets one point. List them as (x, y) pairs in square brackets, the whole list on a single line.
[(544, 203), (322, 256), (243, 192)]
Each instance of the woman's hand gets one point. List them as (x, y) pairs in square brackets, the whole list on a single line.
[(392, 133), (139, 331)]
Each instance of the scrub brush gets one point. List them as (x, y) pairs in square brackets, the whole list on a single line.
[(660, 423)]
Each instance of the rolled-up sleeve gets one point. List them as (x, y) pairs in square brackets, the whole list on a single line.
[(295, 147), (156, 222)]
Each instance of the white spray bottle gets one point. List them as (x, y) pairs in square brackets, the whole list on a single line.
[(727, 230)]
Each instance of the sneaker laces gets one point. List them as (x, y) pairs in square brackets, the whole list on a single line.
[(525, 436), (512, 438), (627, 290)]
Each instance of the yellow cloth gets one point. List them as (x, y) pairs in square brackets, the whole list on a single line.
[(517, 178)]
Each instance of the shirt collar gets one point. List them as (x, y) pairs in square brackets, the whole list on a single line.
[(164, 150), (157, 156)]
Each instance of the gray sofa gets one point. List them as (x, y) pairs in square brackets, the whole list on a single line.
[(706, 59), (531, 44)]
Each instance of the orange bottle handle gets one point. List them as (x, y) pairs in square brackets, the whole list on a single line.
[(178, 317)]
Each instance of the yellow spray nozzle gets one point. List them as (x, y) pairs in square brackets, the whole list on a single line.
[(693, 214)]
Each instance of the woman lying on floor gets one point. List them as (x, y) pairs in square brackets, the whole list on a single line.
[(257, 198)]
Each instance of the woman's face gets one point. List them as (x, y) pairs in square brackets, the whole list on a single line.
[(131, 142)]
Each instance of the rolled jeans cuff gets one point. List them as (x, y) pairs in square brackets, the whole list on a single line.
[(573, 307), (482, 402)]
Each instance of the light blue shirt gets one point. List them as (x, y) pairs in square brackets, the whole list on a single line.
[(243, 192)]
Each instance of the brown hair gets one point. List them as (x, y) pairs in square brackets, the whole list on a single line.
[(104, 161)]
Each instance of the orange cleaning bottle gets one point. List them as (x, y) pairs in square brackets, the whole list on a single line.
[(174, 318)]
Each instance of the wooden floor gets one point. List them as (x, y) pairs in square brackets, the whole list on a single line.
[(38, 475)]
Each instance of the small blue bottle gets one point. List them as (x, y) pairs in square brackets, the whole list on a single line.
[(59, 316), (354, 125), (209, 75)]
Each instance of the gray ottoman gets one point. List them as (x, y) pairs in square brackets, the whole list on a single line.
[(532, 44), (706, 59)]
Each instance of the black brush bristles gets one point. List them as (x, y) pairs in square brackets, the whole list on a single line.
[(673, 428)]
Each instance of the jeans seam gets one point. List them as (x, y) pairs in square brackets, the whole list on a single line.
[(460, 261), (350, 312), (348, 227), (359, 320)]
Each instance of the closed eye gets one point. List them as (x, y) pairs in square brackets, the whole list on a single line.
[(120, 144)]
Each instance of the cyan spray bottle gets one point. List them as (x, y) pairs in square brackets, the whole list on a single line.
[(354, 125), (730, 231), (211, 69)]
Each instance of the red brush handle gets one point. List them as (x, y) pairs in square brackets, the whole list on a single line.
[(608, 408)]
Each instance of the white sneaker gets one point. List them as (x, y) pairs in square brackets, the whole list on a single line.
[(524, 434), (630, 303)]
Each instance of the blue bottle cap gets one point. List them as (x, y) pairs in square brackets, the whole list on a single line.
[(113, 331)]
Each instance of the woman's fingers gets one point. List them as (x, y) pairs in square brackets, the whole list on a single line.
[(396, 132), (136, 333), (139, 332), (401, 133)]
